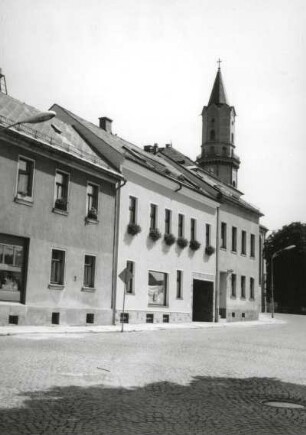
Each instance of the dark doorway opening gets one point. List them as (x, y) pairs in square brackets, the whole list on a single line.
[(203, 292)]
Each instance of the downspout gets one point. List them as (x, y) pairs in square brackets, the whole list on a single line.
[(217, 290), (115, 248)]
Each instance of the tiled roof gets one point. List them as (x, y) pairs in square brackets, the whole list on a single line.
[(136, 154), (229, 193), (54, 133)]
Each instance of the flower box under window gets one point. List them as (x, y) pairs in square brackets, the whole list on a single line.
[(194, 245), (133, 229), (154, 234)]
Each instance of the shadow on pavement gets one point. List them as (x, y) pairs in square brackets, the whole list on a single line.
[(221, 406)]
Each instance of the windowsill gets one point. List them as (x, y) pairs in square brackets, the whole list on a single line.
[(130, 293), (233, 297), (242, 298), (223, 248), (88, 289), (25, 200), (179, 299), (243, 254), (158, 306), (90, 221), (234, 252), (59, 211), (252, 257), (56, 286), (252, 299)]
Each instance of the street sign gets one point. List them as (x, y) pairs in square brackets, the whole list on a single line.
[(125, 275)]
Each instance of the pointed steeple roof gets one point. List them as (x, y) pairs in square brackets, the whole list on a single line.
[(218, 95)]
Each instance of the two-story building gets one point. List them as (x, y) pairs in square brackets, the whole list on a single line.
[(57, 223)]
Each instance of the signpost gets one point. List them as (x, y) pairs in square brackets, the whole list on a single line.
[(125, 276)]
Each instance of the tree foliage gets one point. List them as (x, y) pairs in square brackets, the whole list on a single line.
[(293, 234)]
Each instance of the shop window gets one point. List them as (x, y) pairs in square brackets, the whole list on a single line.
[(89, 271), (61, 190), (12, 260), (92, 201), (25, 178), (130, 265), (157, 282), (57, 267)]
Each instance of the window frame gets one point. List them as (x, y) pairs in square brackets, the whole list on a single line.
[(252, 288), (252, 245), (18, 195), (133, 206), (243, 242), (67, 175), (97, 187), (53, 284), (179, 284), (166, 291), (193, 229), (207, 235), (153, 216), (234, 239), (131, 281), (181, 225), (223, 236), (90, 287), (242, 287), (168, 221), (233, 285)]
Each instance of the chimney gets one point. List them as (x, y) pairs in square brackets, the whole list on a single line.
[(151, 148), (106, 124)]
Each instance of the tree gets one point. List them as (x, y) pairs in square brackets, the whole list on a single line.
[(289, 267)]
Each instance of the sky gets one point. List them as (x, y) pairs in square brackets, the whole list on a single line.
[(150, 65)]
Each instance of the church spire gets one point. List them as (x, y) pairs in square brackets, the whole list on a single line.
[(218, 95)]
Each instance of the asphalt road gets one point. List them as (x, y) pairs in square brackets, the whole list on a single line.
[(195, 381)]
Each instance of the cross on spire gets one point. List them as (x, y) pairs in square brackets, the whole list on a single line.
[(219, 63)]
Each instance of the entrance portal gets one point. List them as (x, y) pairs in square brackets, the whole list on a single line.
[(202, 310)]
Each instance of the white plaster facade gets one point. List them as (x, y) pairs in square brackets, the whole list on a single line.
[(151, 188)]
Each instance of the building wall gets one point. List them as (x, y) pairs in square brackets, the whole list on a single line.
[(241, 265), (46, 229), (156, 256)]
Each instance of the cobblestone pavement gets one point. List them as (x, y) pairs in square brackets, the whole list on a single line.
[(212, 381)]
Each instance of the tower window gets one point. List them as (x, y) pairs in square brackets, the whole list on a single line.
[(232, 137), (212, 135), (224, 151)]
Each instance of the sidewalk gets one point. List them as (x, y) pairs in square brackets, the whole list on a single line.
[(264, 319)]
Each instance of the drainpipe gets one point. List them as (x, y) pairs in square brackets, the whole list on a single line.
[(115, 248), (217, 284)]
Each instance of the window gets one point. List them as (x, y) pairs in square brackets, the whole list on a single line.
[(92, 200), (260, 260), (153, 217), (149, 318), (234, 239), (61, 190), (179, 284), (232, 137), (212, 135), (25, 178), (223, 235), (252, 294), (167, 221), (207, 231), (181, 229), (12, 260), (57, 267), (157, 282), (133, 210), (130, 284), (243, 242), (243, 287), (224, 151), (233, 285), (89, 271), (252, 245), (192, 229)]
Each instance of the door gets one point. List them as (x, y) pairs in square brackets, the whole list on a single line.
[(202, 301)]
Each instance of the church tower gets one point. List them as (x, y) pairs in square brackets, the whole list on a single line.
[(218, 135)]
